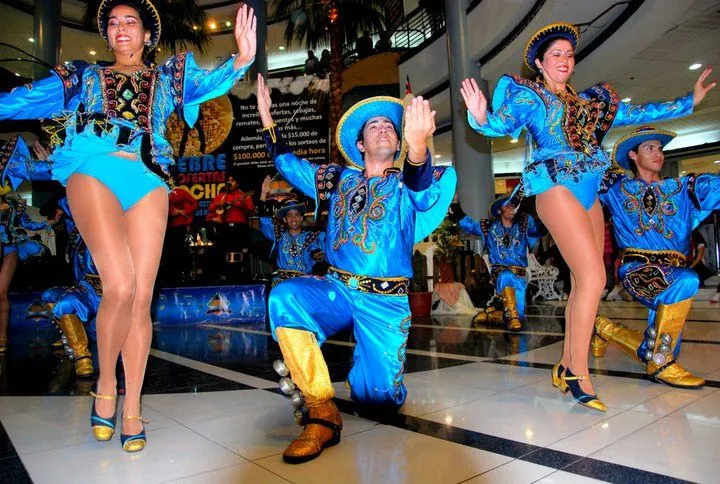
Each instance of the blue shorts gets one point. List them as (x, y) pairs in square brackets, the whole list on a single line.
[(90, 154), (128, 180), (585, 192)]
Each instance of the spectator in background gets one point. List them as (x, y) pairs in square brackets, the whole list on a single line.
[(182, 206), (364, 46), (233, 206), (312, 64), (325, 61), (384, 44), (695, 260)]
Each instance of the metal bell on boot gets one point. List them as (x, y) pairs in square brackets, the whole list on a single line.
[(297, 399), (280, 368), (287, 385)]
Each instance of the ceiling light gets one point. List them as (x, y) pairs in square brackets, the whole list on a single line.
[(282, 47), (194, 27), (228, 23), (626, 100), (717, 162), (514, 140), (440, 156), (17, 74), (92, 52), (212, 25), (683, 172), (695, 67), (31, 39)]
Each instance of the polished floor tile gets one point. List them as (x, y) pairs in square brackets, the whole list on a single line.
[(487, 375), (602, 434), (171, 453), (561, 477), (535, 420), (259, 429), (389, 455), (516, 471), (246, 472), (704, 409), (680, 448)]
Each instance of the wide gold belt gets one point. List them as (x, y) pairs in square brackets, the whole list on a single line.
[(656, 257), (393, 286), (498, 268)]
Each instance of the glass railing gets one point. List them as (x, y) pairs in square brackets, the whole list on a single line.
[(418, 27)]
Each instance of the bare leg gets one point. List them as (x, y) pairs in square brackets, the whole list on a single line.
[(7, 270), (568, 318), (574, 232), (101, 222), (145, 228), (597, 220)]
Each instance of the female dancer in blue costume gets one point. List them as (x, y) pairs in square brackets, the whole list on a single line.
[(112, 155), (566, 169)]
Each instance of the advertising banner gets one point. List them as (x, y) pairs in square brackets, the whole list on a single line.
[(226, 139), (171, 306)]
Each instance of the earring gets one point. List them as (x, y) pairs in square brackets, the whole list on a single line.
[(108, 47), (147, 44)]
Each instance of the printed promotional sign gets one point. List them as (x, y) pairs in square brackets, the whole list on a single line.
[(226, 140)]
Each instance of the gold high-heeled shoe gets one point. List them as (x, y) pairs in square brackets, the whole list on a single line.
[(102, 428), (557, 380), (572, 382), (134, 442)]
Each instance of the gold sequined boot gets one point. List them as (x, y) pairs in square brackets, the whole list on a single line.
[(488, 315), (661, 366), (511, 313), (626, 339), (309, 372), (74, 332)]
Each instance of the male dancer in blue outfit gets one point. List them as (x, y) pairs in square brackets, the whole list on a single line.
[(298, 250), (73, 305), (376, 214), (507, 241), (654, 219)]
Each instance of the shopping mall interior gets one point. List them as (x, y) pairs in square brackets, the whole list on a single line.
[(481, 406)]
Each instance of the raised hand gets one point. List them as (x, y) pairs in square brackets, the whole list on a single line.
[(245, 36), (264, 102), (419, 124), (40, 152), (700, 91), (474, 100), (266, 184)]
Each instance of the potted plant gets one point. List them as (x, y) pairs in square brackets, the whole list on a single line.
[(419, 297), (446, 254)]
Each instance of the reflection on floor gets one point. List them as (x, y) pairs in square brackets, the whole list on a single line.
[(480, 409)]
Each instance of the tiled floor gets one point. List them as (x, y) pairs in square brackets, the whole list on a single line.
[(480, 409)]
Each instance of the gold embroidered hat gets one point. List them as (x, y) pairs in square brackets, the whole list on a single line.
[(629, 142), (148, 14), (559, 29)]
